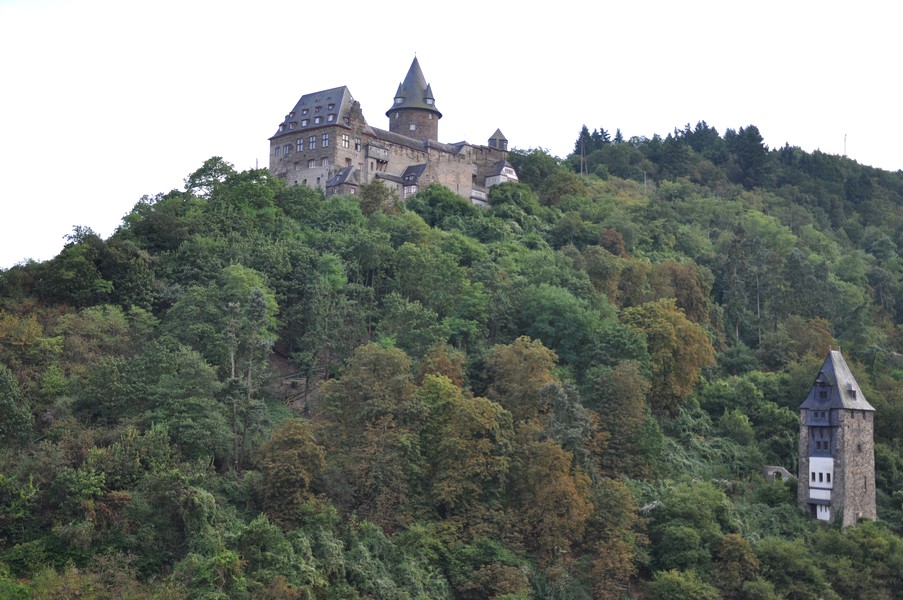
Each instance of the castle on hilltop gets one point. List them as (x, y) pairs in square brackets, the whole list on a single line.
[(325, 142), (837, 448)]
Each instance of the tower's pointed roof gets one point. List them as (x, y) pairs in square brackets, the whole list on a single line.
[(415, 92), (835, 387)]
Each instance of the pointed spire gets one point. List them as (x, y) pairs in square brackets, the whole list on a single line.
[(415, 92), (835, 387)]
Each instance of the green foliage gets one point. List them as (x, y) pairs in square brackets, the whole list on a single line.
[(543, 365)]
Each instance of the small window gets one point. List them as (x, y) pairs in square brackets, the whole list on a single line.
[(303, 111), (357, 144), (317, 108), (312, 142), (346, 141), (311, 163), (278, 151), (282, 127), (330, 106), (828, 477), (821, 477), (291, 125), (299, 145), (330, 118), (813, 476), (304, 122), (317, 120), (823, 394), (398, 101), (413, 126), (858, 447), (429, 100), (347, 162), (325, 140), (286, 149)]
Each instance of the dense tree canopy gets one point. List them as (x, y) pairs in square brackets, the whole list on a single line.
[(252, 391)]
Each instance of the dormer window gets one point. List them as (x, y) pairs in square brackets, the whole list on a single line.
[(317, 120), (291, 115), (303, 111), (399, 100), (330, 107), (330, 118), (429, 100), (282, 127), (317, 108), (304, 122), (291, 125)]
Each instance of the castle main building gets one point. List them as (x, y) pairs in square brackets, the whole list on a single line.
[(325, 142)]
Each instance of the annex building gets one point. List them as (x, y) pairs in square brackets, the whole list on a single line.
[(325, 142)]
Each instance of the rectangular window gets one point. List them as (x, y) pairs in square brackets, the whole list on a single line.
[(813, 475), (317, 120), (291, 125), (330, 118), (346, 141), (828, 477), (312, 142), (823, 394), (299, 145), (286, 149), (357, 144), (821, 477), (311, 163), (330, 106), (304, 122), (324, 162), (325, 140)]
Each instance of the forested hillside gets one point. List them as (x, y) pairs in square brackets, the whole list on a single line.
[(250, 391)]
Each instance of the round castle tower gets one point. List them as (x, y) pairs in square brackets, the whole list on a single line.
[(414, 113)]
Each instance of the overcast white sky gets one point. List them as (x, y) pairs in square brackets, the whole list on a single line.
[(103, 101)]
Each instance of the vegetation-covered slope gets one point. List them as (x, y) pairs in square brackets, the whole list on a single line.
[(250, 391)]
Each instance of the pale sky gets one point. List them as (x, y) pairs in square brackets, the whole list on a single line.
[(104, 101)]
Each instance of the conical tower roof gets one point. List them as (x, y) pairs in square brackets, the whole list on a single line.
[(835, 387), (415, 92)]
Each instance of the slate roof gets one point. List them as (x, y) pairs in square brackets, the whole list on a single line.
[(836, 378), (413, 173), (499, 167), (344, 175), (414, 92), (403, 140), (340, 99)]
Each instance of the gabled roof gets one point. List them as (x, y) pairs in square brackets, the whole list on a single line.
[(499, 167), (413, 173), (837, 380), (348, 175), (415, 92), (338, 98)]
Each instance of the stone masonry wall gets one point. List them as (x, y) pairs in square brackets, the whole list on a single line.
[(855, 469)]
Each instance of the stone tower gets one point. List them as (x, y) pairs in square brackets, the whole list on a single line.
[(837, 449), (414, 113)]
